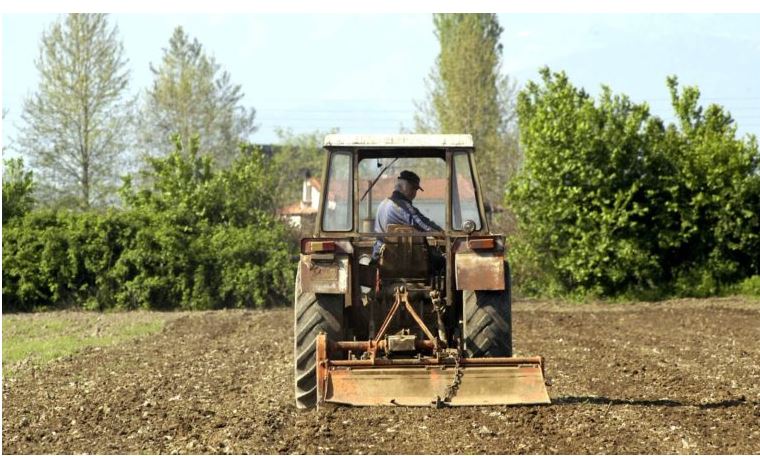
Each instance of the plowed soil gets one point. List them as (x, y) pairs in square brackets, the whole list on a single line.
[(675, 377)]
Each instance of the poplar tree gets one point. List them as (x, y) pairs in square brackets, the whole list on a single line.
[(468, 94), (191, 96), (75, 126)]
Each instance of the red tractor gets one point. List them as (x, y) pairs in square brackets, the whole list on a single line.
[(428, 321)]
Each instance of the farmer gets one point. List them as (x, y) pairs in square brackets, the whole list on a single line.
[(398, 209)]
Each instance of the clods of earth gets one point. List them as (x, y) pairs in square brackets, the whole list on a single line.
[(674, 377)]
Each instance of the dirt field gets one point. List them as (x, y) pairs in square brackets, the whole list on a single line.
[(675, 377)]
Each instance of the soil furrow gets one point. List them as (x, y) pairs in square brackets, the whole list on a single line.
[(681, 377)]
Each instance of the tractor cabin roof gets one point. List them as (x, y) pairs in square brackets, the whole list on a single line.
[(398, 141)]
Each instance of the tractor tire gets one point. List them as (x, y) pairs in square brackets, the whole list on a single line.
[(314, 313), (488, 321)]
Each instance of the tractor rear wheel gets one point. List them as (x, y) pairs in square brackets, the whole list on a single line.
[(488, 321), (314, 313)]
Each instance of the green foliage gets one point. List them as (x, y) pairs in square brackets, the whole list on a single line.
[(750, 286), (18, 186), (76, 124), (468, 94), (611, 201), (714, 193), (196, 238), (60, 259), (35, 340), (297, 155), (191, 97), (212, 240)]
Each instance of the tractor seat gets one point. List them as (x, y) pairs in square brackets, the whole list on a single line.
[(405, 256)]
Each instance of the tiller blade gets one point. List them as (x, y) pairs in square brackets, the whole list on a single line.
[(429, 381)]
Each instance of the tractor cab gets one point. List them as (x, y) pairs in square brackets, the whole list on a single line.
[(427, 318), (373, 172)]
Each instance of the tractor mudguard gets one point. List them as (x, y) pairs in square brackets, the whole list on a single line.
[(479, 271), (324, 273)]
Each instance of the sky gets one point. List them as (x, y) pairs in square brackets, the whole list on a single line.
[(362, 73)]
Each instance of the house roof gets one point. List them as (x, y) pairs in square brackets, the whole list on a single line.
[(297, 208), (315, 183)]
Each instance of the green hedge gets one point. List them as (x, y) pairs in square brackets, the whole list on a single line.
[(193, 238), (611, 201)]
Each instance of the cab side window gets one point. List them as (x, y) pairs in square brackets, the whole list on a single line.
[(338, 210), (463, 198)]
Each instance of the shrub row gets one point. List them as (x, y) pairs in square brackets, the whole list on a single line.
[(190, 238), (610, 200)]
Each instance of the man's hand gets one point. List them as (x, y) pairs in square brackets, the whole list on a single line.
[(367, 260)]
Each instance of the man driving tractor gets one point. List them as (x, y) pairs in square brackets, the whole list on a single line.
[(398, 210)]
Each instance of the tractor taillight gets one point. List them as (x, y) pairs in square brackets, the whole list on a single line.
[(320, 246), (481, 244)]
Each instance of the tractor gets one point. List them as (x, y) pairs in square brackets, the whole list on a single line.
[(428, 321)]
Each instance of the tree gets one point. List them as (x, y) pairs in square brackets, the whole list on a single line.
[(713, 214), (580, 196), (18, 185), (610, 200), (191, 97), (5, 145), (76, 124), (468, 94), (297, 156), (212, 240)]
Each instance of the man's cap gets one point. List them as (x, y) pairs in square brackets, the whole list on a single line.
[(411, 178)]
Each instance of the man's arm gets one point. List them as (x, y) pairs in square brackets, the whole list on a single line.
[(417, 220)]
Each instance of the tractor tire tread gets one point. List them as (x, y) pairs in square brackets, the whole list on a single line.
[(488, 322), (314, 313)]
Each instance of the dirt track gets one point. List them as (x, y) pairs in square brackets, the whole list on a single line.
[(676, 377)]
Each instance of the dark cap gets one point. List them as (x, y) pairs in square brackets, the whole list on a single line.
[(411, 178)]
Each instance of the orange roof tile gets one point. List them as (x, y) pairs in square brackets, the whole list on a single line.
[(297, 208), (315, 183)]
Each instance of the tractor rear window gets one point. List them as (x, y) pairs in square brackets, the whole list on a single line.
[(377, 180), (337, 208)]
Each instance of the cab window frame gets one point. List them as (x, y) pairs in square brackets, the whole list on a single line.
[(348, 154)]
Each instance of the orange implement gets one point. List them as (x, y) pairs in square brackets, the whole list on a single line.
[(429, 381)]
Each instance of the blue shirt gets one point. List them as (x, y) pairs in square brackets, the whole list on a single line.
[(398, 210)]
